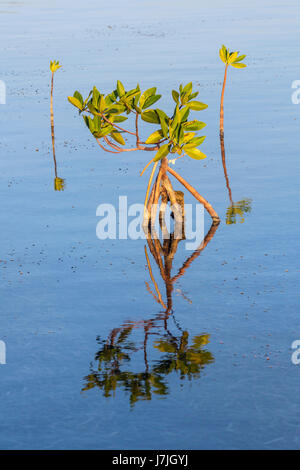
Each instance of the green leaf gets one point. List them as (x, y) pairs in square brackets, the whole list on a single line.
[(120, 89), (184, 113), (195, 142), (91, 124), (197, 105), (162, 152), (151, 100), (106, 130), (232, 57), (115, 118), (147, 94), (222, 55), (239, 66), (132, 93), (155, 137), (175, 96), (180, 136), (78, 96), (75, 102), (96, 96), (150, 116), (102, 104), (188, 137), (241, 57), (188, 88), (92, 108), (111, 98), (97, 123), (117, 136), (193, 125), (163, 118), (116, 108), (194, 153), (193, 95)]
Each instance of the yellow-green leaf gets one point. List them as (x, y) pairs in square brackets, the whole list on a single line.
[(197, 105), (241, 57), (194, 153), (150, 115), (120, 89), (155, 137), (222, 55), (162, 152), (75, 102), (233, 56), (117, 137), (238, 65)]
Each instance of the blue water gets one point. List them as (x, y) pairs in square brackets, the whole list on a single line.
[(64, 291)]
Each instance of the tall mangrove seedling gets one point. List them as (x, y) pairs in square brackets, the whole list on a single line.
[(59, 183), (233, 59), (175, 134)]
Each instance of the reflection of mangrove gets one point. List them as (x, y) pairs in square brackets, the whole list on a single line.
[(59, 183), (236, 208), (173, 352)]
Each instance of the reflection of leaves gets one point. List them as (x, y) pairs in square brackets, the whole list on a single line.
[(165, 346), (59, 184), (140, 386), (177, 356), (238, 208), (182, 358)]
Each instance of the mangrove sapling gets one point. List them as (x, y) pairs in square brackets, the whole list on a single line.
[(175, 135), (233, 59), (59, 183)]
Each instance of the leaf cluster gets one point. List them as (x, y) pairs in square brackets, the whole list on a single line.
[(54, 65), (232, 58), (175, 134)]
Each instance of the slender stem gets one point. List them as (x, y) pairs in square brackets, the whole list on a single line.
[(222, 103), (195, 193), (106, 150), (148, 187), (149, 163), (111, 144), (151, 197), (115, 125)]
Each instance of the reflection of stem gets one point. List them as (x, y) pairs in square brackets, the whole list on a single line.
[(222, 103), (195, 193), (52, 126), (197, 252), (224, 167), (153, 280), (145, 348)]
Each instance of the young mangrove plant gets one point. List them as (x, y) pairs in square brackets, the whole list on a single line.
[(59, 183), (233, 59), (175, 135)]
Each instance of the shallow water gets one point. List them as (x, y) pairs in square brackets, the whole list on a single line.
[(65, 293)]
